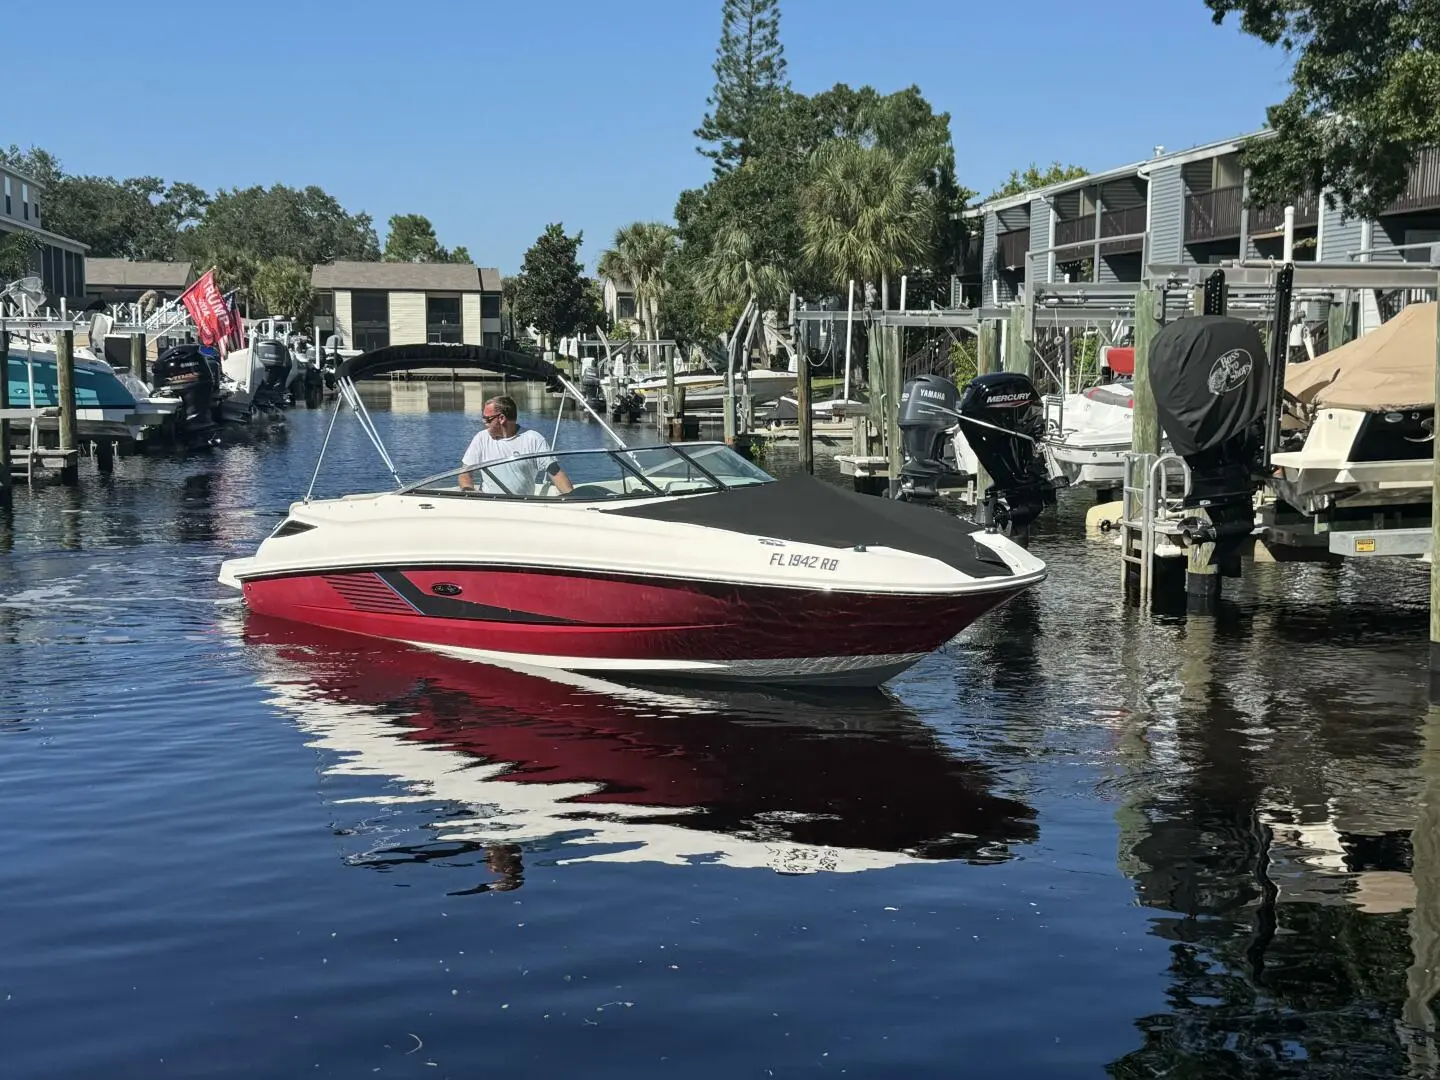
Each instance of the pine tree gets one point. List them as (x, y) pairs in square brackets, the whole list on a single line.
[(749, 77), (550, 295)]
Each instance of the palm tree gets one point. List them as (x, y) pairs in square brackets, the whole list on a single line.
[(638, 257), (867, 212), (737, 268)]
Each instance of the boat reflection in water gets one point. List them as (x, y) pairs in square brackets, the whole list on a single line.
[(840, 781)]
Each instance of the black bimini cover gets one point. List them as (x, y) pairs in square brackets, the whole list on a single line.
[(514, 365), (1209, 374), (810, 511)]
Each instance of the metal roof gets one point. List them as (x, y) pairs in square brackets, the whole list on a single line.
[(125, 274), (404, 276), (1178, 157)]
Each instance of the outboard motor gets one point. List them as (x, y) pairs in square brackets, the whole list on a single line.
[(590, 388), (629, 405), (1210, 375), (276, 365), (1003, 419), (929, 410), (188, 373)]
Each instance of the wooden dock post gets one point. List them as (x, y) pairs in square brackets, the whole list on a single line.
[(137, 357), (7, 478), (987, 360), (1146, 437), (65, 392), (804, 419), (894, 384), (1435, 547), (1017, 350), (1338, 329)]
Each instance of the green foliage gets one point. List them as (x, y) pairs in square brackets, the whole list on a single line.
[(639, 255), (550, 294), (17, 252), (866, 211), (964, 360), (282, 287), (307, 225), (1364, 100), (1032, 178), (411, 238), (749, 78)]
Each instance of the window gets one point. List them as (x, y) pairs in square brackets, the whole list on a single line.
[(324, 303), (490, 306), (370, 320), (624, 306), (25, 200), (442, 319), (35, 206), (7, 197), (490, 340)]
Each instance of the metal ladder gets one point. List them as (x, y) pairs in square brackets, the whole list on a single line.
[(1145, 508)]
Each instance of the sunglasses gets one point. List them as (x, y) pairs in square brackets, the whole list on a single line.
[(491, 418)]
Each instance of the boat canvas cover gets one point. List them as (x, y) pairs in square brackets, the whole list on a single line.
[(804, 510), (1392, 367), (1209, 374)]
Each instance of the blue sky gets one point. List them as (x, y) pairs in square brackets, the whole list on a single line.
[(494, 119)]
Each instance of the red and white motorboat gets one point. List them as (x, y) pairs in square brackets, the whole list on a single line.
[(678, 561)]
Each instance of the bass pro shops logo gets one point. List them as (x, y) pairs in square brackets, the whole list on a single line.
[(1230, 371)]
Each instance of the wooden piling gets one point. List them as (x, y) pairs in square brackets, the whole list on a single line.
[(137, 356), (802, 405), (1017, 350), (987, 360), (7, 478), (894, 384), (1146, 437), (1338, 327), (65, 392), (1435, 546)]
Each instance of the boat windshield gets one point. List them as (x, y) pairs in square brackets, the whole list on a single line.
[(640, 473)]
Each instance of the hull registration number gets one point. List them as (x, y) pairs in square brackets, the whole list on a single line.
[(803, 562)]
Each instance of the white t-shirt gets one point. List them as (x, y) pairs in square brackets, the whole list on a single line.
[(517, 476)]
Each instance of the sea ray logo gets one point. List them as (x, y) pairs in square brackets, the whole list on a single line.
[(1230, 371)]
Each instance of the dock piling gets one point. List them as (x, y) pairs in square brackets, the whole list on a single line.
[(804, 418), (1435, 544), (892, 337), (987, 359), (137, 357), (7, 478), (1146, 422), (65, 391)]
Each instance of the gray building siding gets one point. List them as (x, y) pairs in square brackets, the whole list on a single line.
[(1041, 265), (987, 255), (1338, 235), (1167, 215)]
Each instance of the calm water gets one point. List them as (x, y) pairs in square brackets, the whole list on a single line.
[(1078, 841)]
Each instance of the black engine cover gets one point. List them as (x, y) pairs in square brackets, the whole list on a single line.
[(1209, 374), (1003, 420), (929, 406)]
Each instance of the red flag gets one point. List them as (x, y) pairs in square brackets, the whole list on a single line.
[(207, 308)]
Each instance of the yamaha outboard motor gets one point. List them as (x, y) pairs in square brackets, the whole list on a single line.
[(1210, 375), (1003, 419), (188, 373), (590, 388), (276, 365), (929, 411)]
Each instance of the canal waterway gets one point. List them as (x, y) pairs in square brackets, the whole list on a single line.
[(1078, 841)]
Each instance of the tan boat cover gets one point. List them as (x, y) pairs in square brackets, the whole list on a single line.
[(1392, 367)]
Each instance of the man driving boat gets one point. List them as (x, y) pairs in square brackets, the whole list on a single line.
[(501, 441)]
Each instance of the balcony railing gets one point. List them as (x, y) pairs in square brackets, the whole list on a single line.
[(1264, 219), (1212, 215), (1423, 190), (1076, 231), (1012, 247), (1130, 222)]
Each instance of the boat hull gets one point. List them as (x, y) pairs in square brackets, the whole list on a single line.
[(631, 624)]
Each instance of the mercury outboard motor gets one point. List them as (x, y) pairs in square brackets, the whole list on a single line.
[(929, 411), (276, 365), (188, 373), (1210, 375), (1003, 419)]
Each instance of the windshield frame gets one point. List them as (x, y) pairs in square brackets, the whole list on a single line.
[(624, 459)]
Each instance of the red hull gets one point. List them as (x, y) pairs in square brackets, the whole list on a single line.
[(606, 618)]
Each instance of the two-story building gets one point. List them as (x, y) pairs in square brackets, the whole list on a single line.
[(1188, 207), (372, 305), (619, 299), (57, 260)]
